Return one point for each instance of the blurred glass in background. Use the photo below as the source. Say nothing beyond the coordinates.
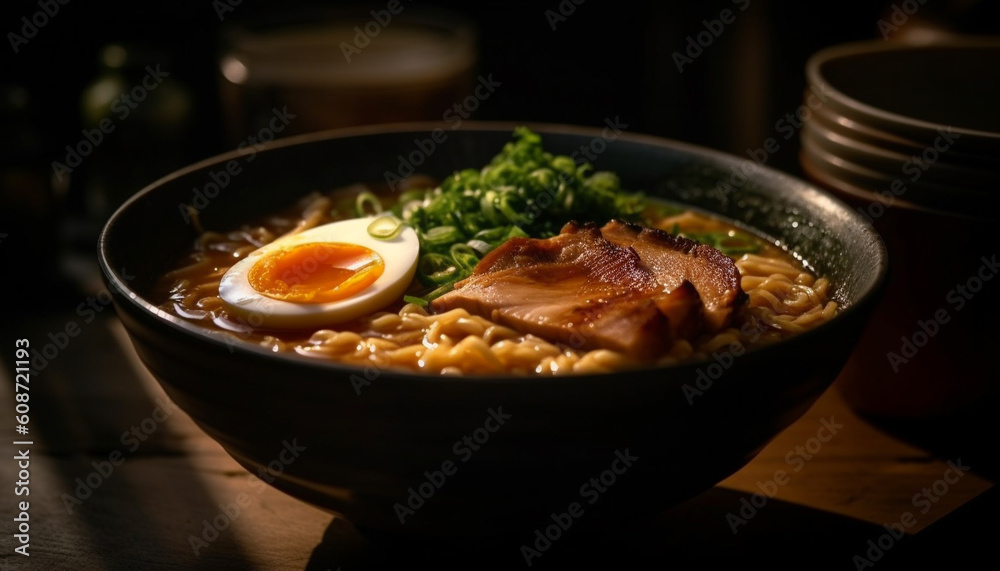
(345, 67)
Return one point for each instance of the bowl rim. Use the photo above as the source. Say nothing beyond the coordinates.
(853, 179)
(845, 126)
(808, 191)
(813, 145)
(831, 120)
(878, 158)
(815, 77)
(823, 178)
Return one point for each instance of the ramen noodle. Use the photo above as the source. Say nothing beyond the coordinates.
(784, 299)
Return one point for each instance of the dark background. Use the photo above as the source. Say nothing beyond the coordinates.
(606, 59)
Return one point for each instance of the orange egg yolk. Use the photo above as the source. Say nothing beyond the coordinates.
(316, 273)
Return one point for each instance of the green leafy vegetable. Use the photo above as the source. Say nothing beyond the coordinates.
(731, 243)
(523, 192)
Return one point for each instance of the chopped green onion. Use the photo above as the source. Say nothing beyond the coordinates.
(415, 300)
(437, 269)
(464, 256)
(446, 277)
(730, 243)
(412, 195)
(438, 292)
(385, 227)
(481, 247)
(507, 209)
(515, 232)
(491, 235)
(487, 203)
(441, 236)
(368, 199)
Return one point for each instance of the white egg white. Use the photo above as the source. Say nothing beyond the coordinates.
(399, 255)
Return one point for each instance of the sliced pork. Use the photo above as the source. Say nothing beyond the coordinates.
(675, 259)
(588, 291)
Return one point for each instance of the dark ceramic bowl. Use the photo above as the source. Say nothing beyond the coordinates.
(361, 454)
(916, 92)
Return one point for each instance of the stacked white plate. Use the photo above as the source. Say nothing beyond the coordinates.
(915, 124)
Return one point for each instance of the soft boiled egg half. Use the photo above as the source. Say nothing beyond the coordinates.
(321, 276)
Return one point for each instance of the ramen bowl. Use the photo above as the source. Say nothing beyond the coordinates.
(399, 451)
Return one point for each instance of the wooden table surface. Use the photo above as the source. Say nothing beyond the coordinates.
(144, 512)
